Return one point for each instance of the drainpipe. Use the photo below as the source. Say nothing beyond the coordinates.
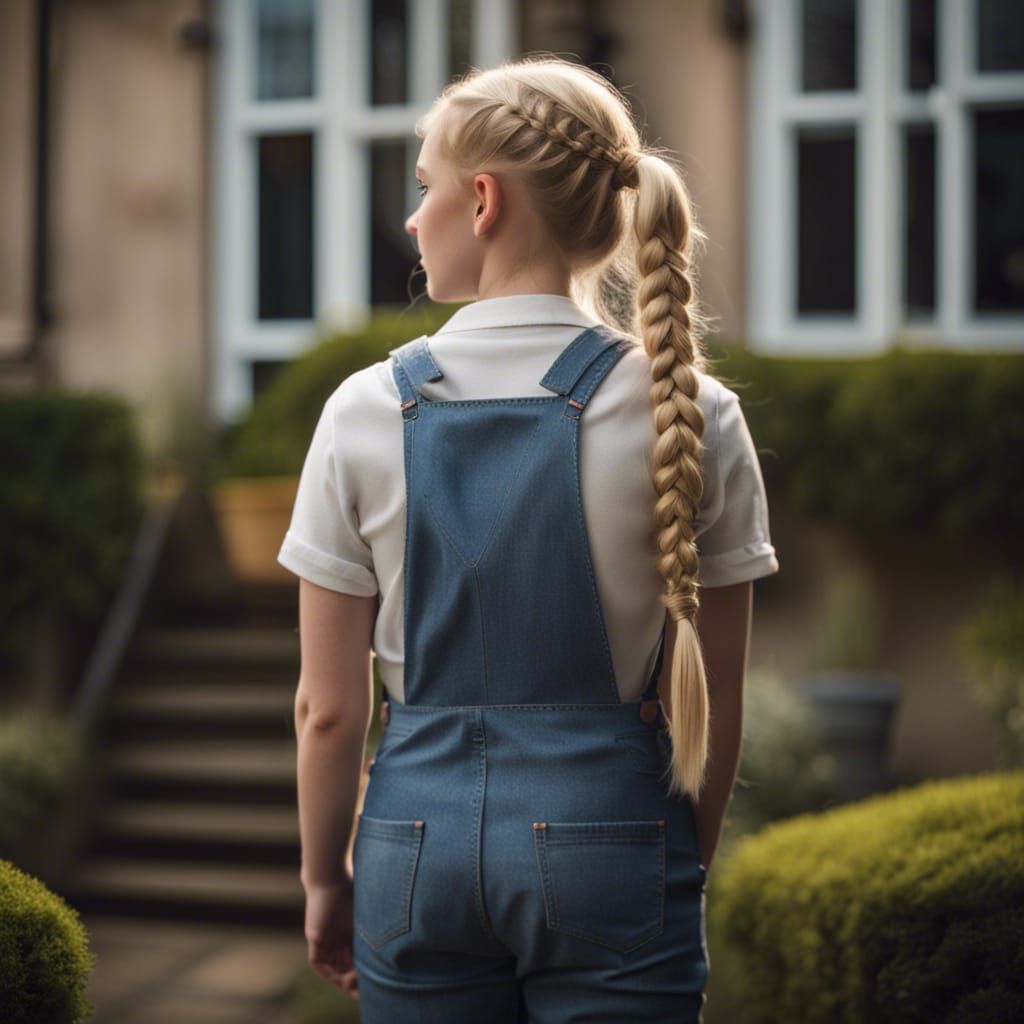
(34, 354)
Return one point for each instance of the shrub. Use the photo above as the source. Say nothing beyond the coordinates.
(272, 438)
(44, 954)
(909, 440)
(904, 907)
(784, 768)
(39, 755)
(991, 643)
(70, 499)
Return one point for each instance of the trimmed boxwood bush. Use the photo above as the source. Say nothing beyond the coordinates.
(902, 908)
(909, 440)
(45, 960)
(272, 437)
(70, 499)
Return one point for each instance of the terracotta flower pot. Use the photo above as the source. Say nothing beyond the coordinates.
(253, 514)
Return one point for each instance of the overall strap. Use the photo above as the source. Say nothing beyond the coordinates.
(582, 365)
(651, 704)
(413, 365)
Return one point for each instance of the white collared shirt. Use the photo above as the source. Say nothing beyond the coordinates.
(348, 527)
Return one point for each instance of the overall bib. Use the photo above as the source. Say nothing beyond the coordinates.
(518, 857)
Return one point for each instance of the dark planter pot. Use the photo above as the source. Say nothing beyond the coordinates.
(855, 711)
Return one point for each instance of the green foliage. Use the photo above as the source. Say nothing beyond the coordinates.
(39, 755)
(44, 954)
(272, 438)
(314, 1000)
(70, 499)
(904, 907)
(910, 440)
(784, 768)
(851, 623)
(991, 644)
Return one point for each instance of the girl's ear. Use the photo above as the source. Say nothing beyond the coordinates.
(488, 203)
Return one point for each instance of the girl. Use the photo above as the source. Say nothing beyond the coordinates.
(496, 511)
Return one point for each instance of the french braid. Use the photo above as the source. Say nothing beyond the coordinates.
(569, 135)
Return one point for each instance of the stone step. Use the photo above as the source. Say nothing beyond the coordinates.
(191, 710)
(184, 890)
(202, 760)
(222, 646)
(183, 820)
(255, 834)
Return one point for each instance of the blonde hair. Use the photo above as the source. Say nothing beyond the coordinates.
(568, 134)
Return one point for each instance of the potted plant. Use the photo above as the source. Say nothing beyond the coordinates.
(262, 453)
(853, 697)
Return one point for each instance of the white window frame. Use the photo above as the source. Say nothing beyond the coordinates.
(343, 128)
(879, 110)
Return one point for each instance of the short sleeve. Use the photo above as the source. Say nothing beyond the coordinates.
(732, 530)
(323, 543)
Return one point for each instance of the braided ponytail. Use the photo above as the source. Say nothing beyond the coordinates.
(568, 134)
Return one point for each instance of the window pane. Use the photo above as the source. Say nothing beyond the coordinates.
(999, 210)
(460, 36)
(829, 44)
(919, 226)
(389, 52)
(826, 220)
(1000, 35)
(920, 44)
(284, 49)
(392, 252)
(285, 228)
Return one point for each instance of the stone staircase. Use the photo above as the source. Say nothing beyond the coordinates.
(197, 817)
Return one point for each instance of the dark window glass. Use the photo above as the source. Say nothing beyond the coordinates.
(393, 254)
(263, 373)
(1000, 35)
(829, 44)
(389, 52)
(999, 210)
(460, 36)
(919, 226)
(921, 44)
(285, 226)
(826, 220)
(285, 63)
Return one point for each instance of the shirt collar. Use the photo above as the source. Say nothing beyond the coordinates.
(517, 311)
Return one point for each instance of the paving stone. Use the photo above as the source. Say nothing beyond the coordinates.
(261, 969)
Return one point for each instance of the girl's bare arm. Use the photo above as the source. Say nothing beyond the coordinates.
(333, 706)
(723, 624)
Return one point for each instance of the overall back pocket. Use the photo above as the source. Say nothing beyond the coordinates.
(384, 859)
(603, 881)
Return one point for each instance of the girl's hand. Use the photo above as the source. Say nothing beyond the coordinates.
(329, 934)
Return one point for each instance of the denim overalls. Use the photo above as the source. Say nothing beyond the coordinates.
(518, 857)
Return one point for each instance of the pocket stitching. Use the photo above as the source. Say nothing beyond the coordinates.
(407, 833)
(584, 837)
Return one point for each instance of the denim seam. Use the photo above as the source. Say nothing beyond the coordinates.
(410, 438)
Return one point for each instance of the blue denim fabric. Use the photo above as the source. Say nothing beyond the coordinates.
(518, 857)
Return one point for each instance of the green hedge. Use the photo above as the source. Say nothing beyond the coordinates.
(39, 756)
(70, 499)
(903, 908)
(45, 960)
(910, 440)
(273, 436)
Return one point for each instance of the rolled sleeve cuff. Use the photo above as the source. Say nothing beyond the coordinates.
(326, 570)
(750, 562)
